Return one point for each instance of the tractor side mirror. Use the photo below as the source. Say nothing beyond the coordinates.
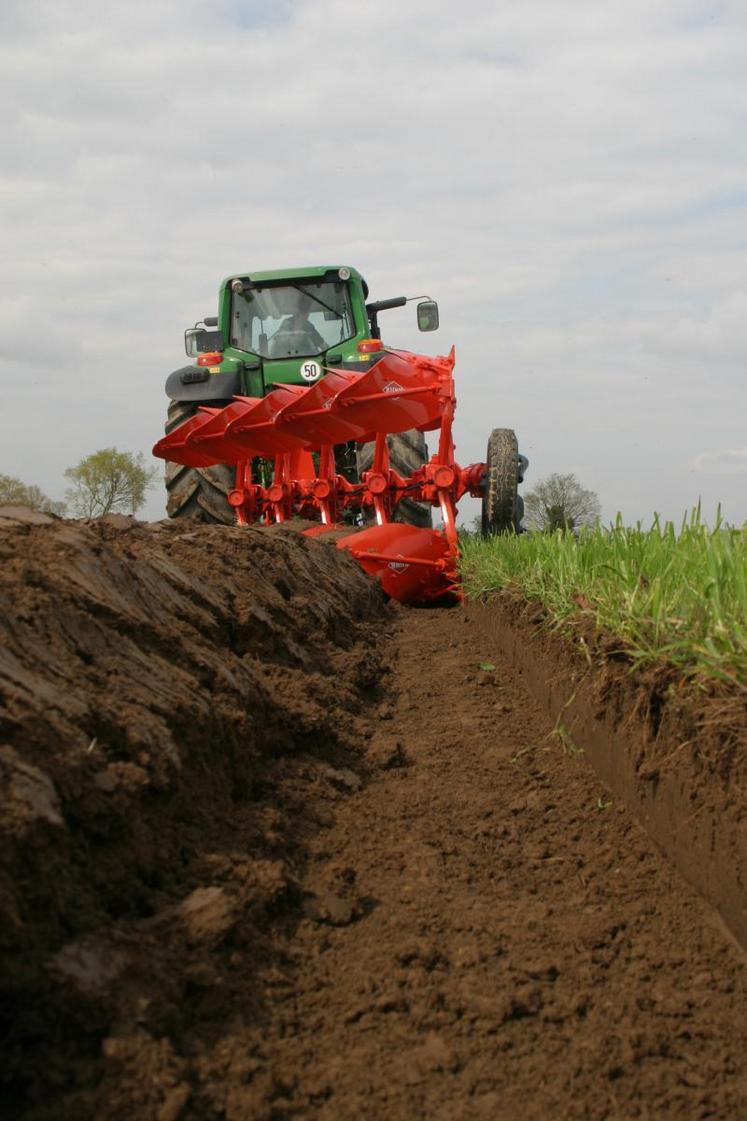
(427, 315)
(199, 341)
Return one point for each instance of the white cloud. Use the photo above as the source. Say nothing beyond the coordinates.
(568, 179)
(729, 461)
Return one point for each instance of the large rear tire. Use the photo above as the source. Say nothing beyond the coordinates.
(407, 452)
(197, 492)
(502, 508)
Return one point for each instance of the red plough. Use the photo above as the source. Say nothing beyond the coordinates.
(401, 391)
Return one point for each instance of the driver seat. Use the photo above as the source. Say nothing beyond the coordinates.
(295, 337)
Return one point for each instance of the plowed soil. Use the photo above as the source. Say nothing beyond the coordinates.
(272, 848)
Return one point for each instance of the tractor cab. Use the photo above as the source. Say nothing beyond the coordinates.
(293, 320)
(286, 328)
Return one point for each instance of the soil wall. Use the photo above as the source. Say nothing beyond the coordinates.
(676, 756)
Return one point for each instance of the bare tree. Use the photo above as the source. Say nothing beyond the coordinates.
(109, 480)
(560, 502)
(13, 492)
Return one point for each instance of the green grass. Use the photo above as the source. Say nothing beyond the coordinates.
(674, 594)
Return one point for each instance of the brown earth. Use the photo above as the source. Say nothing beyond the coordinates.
(673, 750)
(270, 848)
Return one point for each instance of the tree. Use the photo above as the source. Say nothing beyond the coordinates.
(109, 480)
(13, 492)
(560, 502)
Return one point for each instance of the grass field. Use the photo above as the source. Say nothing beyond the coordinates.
(678, 594)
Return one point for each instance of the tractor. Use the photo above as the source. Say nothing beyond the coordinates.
(295, 407)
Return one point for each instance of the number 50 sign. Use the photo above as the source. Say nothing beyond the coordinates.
(310, 371)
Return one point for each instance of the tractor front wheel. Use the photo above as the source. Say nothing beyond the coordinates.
(197, 492)
(502, 508)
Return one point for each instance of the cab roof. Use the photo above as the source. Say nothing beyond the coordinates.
(291, 274)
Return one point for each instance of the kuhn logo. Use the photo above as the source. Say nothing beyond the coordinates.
(397, 566)
(393, 387)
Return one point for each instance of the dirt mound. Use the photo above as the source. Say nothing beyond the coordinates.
(272, 849)
(152, 678)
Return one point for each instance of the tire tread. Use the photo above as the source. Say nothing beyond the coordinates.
(500, 503)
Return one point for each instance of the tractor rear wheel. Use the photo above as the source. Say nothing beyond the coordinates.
(502, 508)
(197, 492)
(407, 452)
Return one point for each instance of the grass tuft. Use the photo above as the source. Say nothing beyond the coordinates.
(674, 594)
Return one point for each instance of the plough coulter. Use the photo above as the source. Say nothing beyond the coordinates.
(289, 448)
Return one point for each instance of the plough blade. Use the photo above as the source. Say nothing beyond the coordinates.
(210, 437)
(255, 426)
(179, 447)
(412, 565)
(313, 414)
(400, 392)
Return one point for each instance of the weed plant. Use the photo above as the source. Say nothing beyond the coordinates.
(678, 595)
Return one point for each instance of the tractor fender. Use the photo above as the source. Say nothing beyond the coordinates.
(195, 383)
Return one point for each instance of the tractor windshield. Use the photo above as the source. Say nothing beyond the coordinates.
(291, 320)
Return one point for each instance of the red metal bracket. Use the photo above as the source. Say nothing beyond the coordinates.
(402, 391)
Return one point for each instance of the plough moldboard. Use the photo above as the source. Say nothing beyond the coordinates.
(401, 391)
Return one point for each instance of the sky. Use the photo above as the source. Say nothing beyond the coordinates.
(568, 179)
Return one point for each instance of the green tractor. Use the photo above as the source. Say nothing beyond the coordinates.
(288, 327)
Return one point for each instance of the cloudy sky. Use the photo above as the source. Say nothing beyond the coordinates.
(568, 178)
